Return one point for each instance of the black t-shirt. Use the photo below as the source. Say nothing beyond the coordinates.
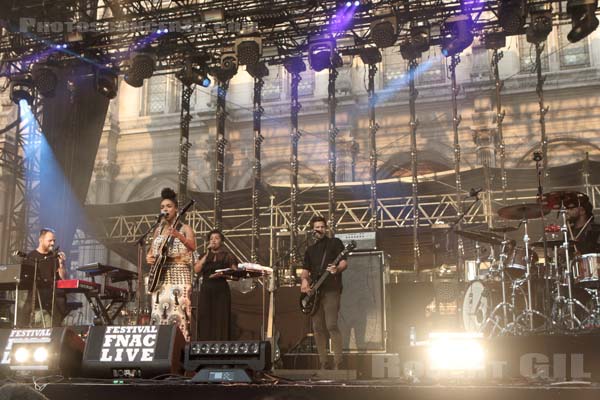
(223, 260)
(589, 239)
(45, 280)
(313, 261)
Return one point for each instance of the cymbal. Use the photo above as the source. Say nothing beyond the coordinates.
(503, 229)
(555, 200)
(483, 237)
(522, 211)
(553, 243)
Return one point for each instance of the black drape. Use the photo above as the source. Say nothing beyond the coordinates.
(72, 124)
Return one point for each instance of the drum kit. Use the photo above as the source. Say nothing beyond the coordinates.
(519, 292)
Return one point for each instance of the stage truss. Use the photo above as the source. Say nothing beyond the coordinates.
(351, 215)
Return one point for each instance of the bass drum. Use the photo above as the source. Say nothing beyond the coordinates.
(481, 297)
(478, 304)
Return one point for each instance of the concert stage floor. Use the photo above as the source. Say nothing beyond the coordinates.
(355, 390)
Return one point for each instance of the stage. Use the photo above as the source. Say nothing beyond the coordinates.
(359, 390)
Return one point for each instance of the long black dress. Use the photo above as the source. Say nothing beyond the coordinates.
(214, 305)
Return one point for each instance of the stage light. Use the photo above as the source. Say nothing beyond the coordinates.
(228, 67)
(248, 49)
(455, 351)
(322, 55)
(106, 83)
(384, 31)
(44, 78)
(583, 18)
(458, 34)
(21, 355)
(40, 355)
(227, 361)
(141, 66)
(494, 40)
(41, 352)
(512, 15)
(195, 72)
(294, 65)
(21, 89)
(416, 44)
(258, 70)
(370, 55)
(540, 26)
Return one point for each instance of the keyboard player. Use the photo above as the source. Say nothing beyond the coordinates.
(50, 262)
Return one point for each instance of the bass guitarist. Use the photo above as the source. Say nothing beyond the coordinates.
(317, 259)
(171, 300)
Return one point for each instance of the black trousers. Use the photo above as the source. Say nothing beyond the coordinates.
(325, 324)
(214, 310)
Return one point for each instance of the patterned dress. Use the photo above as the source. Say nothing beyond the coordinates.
(171, 302)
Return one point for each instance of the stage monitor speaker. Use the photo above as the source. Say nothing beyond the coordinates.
(44, 351)
(133, 351)
(362, 319)
(227, 361)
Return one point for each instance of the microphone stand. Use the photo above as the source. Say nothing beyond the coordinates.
(537, 157)
(140, 276)
(454, 224)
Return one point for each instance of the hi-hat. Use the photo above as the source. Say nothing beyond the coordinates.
(522, 211)
(555, 200)
(483, 237)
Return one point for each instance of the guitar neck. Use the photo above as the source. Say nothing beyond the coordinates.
(326, 273)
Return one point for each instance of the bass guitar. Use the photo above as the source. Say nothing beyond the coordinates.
(156, 270)
(310, 301)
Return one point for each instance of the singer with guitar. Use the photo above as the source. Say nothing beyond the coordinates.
(172, 246)
(317, 259)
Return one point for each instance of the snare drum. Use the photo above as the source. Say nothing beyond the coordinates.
(585, 271)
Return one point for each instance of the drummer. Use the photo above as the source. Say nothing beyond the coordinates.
(583, 228)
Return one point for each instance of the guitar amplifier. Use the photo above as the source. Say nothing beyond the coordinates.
(365, 241)
(363, 317)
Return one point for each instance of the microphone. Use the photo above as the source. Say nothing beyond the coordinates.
(161, 215)
(474, 191)
(537, 156)
(19, 253)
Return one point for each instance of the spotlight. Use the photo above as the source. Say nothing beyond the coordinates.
(194, 72)
(21, 88)
(258, 70)
(294, 65)
(458, 34)
(495, 40)
(248, 49)
(456, 351)
(512, 15)
(44, 78)
(107, 83)
(228, 67)
(40, 355)
(41, 352)
(322, 55)
(370, 55)
(540, 26)
(583, 18)
(416, 44)
(384, 31)
(141, 66)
